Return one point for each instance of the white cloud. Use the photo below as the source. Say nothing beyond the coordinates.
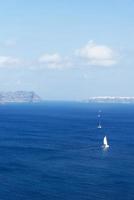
(53, 61)
(50, 58)
(95, 54)
(91, 54)
(8, 61)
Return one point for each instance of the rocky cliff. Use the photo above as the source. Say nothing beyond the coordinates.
(111, 99)
(19, 97)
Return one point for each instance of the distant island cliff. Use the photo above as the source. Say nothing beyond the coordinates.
(111, 99)
(19, 97)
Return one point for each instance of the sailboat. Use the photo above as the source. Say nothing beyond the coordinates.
(99, 126)
(105, 143)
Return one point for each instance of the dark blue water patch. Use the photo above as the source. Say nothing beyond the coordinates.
(54, 151)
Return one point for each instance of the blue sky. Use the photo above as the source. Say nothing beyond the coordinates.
(67, 50)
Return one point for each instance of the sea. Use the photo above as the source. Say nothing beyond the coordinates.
(53, 151)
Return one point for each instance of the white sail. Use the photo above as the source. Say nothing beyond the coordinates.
(99, 126)
(105, 140)
(105, 143)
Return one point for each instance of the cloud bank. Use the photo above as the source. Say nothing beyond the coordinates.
(89, 55)
(6, 61)
(54, 61)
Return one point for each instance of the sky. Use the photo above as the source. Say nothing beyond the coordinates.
(67, 49)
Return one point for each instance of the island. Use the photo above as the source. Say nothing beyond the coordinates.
(111, 99)
(19, 97)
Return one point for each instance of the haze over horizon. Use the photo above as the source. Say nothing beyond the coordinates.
(67, 50)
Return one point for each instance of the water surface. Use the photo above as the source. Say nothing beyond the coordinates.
(53, 151)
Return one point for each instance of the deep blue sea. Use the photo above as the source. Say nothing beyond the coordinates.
(53, 151)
